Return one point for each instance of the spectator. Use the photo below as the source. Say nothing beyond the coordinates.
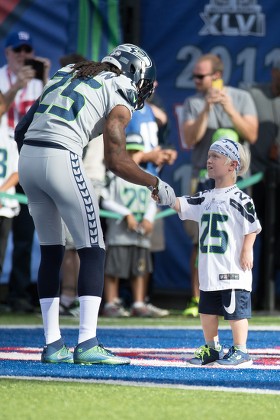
(128, 241)
(9, 207)
(144, 127)
(266, 155)
(209, 109)
(103, 97)
(20, 89)
(228, 226)
(3, 105)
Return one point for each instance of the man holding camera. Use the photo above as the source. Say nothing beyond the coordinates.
(20, 86)
(213, 107)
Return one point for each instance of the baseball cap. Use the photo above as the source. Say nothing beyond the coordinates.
(16, 39)
(134, 142)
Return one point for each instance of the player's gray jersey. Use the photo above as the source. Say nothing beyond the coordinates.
(73, 114)
(225, 216)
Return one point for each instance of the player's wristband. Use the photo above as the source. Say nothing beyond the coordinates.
(151, 188)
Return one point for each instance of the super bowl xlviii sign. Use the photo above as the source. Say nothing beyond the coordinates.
(233, 18)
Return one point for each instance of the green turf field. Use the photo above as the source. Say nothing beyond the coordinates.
(30, 400)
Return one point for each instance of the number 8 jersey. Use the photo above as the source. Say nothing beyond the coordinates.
(225, 216)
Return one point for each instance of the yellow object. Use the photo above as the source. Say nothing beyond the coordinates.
(218, 84)
(192, 308)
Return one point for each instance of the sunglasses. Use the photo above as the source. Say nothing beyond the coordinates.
(201, 76)
(24, 48)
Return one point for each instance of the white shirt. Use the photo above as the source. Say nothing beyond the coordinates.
(225, 216)
(23, 100)
(8, 165)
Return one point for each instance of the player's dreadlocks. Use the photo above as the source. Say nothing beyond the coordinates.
(86, 69)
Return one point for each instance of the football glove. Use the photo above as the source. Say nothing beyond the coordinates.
(166, 194)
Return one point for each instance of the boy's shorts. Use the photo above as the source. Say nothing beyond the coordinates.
(230, 303)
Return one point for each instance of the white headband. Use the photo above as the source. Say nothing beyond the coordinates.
(228, 148)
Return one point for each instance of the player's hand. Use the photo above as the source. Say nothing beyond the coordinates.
(164, 194)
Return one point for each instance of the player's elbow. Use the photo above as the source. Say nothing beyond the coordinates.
(114, 165)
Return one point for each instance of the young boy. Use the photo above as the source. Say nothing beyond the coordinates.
(228, 226)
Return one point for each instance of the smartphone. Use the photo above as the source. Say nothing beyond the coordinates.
(218, 84)
(37, 65)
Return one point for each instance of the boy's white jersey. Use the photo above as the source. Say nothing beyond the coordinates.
(8, 165)
(225, 216)
(78, 113)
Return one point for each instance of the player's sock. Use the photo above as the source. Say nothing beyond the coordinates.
(50, 315)
(89, 308)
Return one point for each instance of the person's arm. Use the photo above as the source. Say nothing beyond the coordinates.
(160, 114)
(11, 181)
(3, 104)
(177, 206)
(116, 158)
(25, 74)
(245, 125)
(194, 130)
(246, 257)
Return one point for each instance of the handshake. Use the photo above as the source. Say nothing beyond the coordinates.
(163, 194)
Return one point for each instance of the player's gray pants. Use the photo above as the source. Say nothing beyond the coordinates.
(57, 187)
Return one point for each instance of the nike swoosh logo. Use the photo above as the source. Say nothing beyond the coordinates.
(60, 356)
(231, 308)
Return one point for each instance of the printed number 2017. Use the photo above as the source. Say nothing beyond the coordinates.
(246, 59)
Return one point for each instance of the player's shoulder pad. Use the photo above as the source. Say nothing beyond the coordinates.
(243, 203)
(126, 89)
(129, 95)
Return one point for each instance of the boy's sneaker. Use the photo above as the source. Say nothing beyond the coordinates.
(84, 354)
(236, 358)
(192, 308)
(50, 354)
(205, 355)
(114, 310)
